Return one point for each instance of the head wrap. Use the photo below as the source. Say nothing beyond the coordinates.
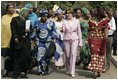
(43, 13)
(23, 10)
(55, 7)
(59, 11)
(28, 6)
(84, 11)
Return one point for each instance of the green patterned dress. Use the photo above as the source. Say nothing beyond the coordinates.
(85, 52)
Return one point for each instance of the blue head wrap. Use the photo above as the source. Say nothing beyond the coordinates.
(28, 6)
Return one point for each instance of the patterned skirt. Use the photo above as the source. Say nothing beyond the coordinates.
(97, 48)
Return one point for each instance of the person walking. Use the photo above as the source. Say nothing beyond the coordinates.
(5, 29)
(72, 40)
(6, 51)
(20, 41)
(110, 39)
(59, 54)
(44, 35)
(85, 52)
(98, 30)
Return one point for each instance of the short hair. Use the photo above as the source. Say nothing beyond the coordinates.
(70, 10)
(78, 8)
(9, 4)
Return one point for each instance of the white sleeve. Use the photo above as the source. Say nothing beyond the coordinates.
(112, 26)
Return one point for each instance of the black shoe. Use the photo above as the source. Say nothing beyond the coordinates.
(5, 75)
(98, 74)
(16, 76)
(95, 76)
(114, 54)
(78, 62)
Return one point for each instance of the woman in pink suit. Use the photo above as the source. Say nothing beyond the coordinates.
(72, 40)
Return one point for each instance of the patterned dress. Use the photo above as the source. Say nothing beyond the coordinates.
(85, 52)
(97, 42)
(59, 44)
(45, 33)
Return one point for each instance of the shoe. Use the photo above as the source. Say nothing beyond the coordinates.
(62, 66)
(72, 75)
(57, 67)
(16, 76)
(67, 73)
(5, 75)
(114, 54)
(95, 76)
(98, 74)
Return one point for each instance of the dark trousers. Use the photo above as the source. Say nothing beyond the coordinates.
(22, 60)
(115, 42)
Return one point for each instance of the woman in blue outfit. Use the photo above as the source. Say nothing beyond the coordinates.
(44, 36)
(31, 16)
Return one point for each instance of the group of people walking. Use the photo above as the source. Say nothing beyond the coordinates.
(64, 36)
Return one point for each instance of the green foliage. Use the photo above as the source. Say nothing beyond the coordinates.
(67, 4)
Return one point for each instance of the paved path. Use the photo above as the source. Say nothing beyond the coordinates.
(80, 73)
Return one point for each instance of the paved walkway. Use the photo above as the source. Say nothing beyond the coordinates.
(80, 74)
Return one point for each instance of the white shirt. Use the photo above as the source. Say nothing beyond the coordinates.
(58, 26)
(112, 26)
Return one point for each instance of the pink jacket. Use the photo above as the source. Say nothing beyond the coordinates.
(72, 30)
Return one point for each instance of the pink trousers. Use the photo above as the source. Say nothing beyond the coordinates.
(70, 55)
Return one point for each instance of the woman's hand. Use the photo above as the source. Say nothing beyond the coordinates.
(86, 42)
(16, 40)
(54, 40)
(26, 30)
(80, 47)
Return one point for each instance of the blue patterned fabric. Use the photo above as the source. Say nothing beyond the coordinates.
(59, 11)
(59, 49)
(45, 33)
(44, 13)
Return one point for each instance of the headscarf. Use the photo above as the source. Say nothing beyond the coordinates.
(84, 11)
(43, 13)
(59, 11)
(28, 6)
(23, 10)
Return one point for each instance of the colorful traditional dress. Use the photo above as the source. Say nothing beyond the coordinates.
(59, 44)
(97, 43)
(85, 52)
(45, 33)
